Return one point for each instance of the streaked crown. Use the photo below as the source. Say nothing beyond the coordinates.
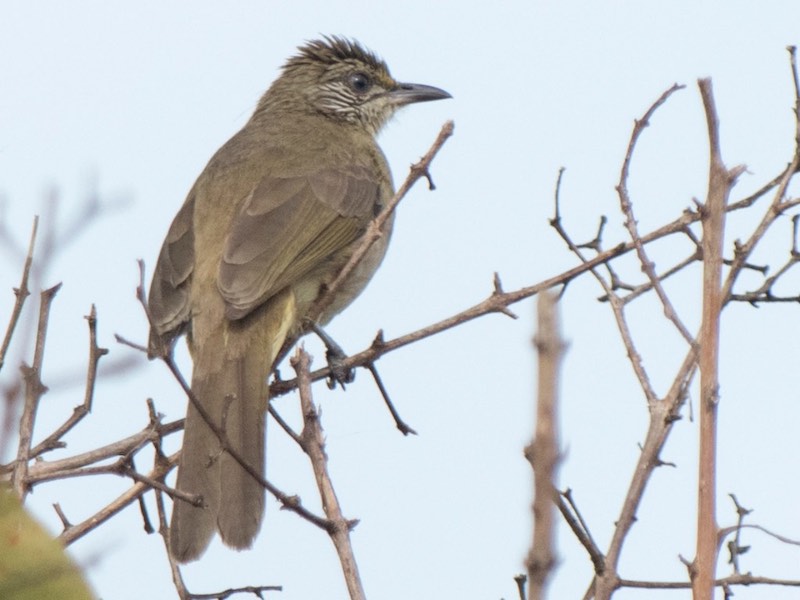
(339, 79)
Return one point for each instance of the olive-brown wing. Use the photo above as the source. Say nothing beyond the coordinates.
(290, 227)
(168, 301)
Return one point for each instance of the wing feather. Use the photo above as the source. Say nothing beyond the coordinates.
(168, 302)
(288, 228)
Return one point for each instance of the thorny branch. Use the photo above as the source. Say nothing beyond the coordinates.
(664, 409)
(497, 302)
(34, 390)
(630, 220)
(580, 529)
(779, 205)
(95, 353)
(21, 293)
(735, 548)
(333, 526)
(27, 474)
(313, 444)
(720, 182)
(543, 452)
(74, 532)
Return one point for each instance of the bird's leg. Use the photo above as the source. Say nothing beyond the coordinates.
(335, 356)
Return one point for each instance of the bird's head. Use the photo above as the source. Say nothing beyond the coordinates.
(339, 79)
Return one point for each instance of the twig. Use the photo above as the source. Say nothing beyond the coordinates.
(126, 469)
(63, 518)
(696, 256)
(256, 590)
(46, 470)
(34, 389)
(496, 302)
(779, 203)
(284, 425)
(95, 353)
(569, 510)
(314, 447)
(630, 220)
(21, 293)
(663, 413)
(735, 547)
(792, 50)
(288, 502)
(401, 425)
(521, 580)
(781, 538)
(617, 305)
(720, 180)
(75, 532)
(543, 452)
(745, 579)
(163, 530)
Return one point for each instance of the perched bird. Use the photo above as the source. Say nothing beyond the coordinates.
(271, 220)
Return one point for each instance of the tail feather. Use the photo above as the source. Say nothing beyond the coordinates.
(245, 427)
(198, 473)
(232, 366)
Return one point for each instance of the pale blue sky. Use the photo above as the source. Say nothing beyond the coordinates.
(130, 100)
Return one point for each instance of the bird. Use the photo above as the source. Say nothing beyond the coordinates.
(269, 223)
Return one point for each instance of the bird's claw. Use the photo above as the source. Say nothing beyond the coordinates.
(340, 373)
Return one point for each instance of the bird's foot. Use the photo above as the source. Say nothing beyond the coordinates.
(341, 374)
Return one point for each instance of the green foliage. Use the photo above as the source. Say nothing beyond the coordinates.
(34, 566)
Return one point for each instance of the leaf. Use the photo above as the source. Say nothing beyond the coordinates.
(33, 565)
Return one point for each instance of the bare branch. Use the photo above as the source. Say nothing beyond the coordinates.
(288, 502)
(314, 446)
(630, 220)
(740, 579)
(617, 305)
(95, 353)
(720, 181)
(494, 303)
(75, 532)
(47, 470)
(21, 293)
(401, 425)
(163, 530)
(256, 590)
(34, 390)
(569, 510)
(543, 452)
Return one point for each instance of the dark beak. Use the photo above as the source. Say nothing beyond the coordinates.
(408, 93)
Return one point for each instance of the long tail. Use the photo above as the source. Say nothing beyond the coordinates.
(232, 365)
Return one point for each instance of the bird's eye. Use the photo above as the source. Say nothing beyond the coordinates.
(360, 82)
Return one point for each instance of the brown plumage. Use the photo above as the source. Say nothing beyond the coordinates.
(273, 217)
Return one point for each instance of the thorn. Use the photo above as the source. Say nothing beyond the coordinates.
(498, 285)
(427, 175)
(507, 312)
(379, 341)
